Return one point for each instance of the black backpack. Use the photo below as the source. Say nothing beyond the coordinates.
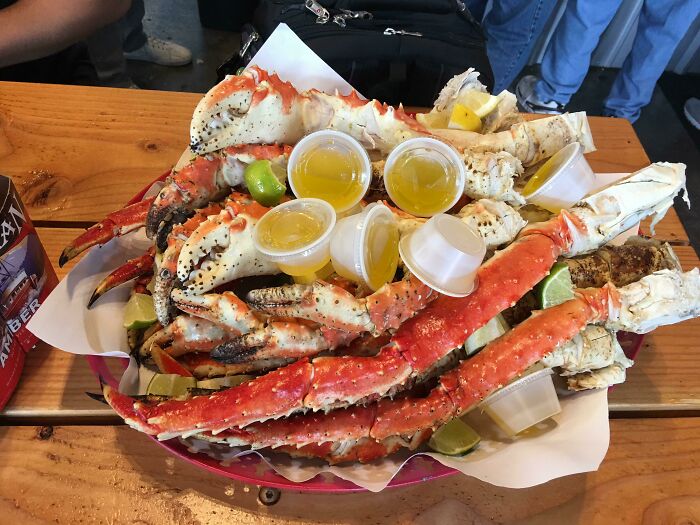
(392, 50)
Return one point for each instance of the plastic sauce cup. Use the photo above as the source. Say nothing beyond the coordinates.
(523, 403)
(296, 235)
(332, 166)
(424, 176)
(444, 253)
(567, 179)
(364, 247)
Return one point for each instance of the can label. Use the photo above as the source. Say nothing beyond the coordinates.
(26, 279)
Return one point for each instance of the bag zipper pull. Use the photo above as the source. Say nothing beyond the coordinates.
(253, 37)
(389, 31)
(342, 18)
(322, 15)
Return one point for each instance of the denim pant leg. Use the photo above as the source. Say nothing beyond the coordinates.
(132, 27)
(106, 46)
(662, 24)
(512, 27)
(568, 55)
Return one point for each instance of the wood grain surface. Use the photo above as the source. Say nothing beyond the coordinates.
(89, 474)
(77, 153)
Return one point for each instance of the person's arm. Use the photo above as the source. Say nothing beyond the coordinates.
(31, 29)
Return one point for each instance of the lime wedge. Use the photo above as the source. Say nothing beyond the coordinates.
(495, 328)
(434, 120)
(480, 103)
(556, 288)
(222, 382)
(139, 312)
(170, 385)
(454, 438)
(464, 118)
(265, 182)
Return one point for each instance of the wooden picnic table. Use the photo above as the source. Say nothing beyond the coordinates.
(77, 153)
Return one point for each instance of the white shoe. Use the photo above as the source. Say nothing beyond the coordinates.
(691, 108)
(161, 52)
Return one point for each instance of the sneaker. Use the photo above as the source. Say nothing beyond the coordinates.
(691, 108)
(161, 52)
(528, 101)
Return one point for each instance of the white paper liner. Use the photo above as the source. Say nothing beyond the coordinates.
(574, 441)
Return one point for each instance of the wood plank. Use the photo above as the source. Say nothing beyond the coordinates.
(77, 153)
(115, 475)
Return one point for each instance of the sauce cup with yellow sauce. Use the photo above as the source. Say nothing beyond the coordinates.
(561, 181)
(296, 235)
(424, 176)
(365, 246)
(332, 166)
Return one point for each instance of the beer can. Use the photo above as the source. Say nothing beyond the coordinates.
(26, 279)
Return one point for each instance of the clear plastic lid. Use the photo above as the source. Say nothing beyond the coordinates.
(445, 253)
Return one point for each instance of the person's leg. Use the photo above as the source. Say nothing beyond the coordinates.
(139, 46)
(132, 27)
(105, 50)
(511, 28)
(568, 55)
(662, 24)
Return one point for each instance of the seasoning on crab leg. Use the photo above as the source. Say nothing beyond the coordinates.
(530, 142)
(221, 248)
(343, 317)
(207, 178)
(117, 223)
(592, 359)
(420, 342)
(131, 269)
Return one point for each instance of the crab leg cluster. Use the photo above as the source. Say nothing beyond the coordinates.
(327, 383)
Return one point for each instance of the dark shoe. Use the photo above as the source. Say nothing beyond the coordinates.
(528, 101)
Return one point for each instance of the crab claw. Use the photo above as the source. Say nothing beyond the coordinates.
(221, 250)
(252, 108)
(280, 339)
(117, 223)
(133, 268)
(224, 309)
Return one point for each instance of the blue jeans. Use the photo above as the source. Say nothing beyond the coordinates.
(511, 28)
(662, 24)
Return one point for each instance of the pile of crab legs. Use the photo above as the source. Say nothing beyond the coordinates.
(248, 414)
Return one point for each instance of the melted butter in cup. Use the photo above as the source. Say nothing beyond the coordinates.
(331, 166)
(296, 235)
(424, 176)
(364, 247)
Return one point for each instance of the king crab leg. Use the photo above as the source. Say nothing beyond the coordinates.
(327, 382)
(115, 224)
(131, 269)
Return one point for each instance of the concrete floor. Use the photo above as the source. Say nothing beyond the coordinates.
(661, 128)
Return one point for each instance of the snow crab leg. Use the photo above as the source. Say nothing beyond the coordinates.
(333, 382)
(117, 223)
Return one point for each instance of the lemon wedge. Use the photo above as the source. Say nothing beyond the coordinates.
(464, 118)
(480, 103)
(434, 120)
